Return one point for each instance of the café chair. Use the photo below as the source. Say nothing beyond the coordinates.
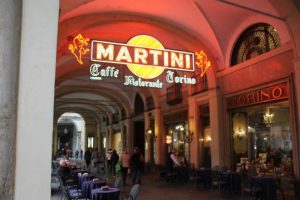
(117, 183)
(248, 188)
(54, 168)
(72, 196)
(134, 191)
(285, 186)
(70, 192)
(217, 180)
(297, 188)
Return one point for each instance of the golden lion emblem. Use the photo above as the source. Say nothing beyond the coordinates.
(202, 62)
(77, 48)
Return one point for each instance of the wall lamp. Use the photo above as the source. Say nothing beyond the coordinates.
(168, 139)
(240, 133)
(150, 133)
(188, 138)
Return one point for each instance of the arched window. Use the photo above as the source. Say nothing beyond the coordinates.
(256, 40)
(138, 105)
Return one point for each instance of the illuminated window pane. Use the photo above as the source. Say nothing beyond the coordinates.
(90, 142)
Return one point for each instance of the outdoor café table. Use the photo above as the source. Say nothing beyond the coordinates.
(77, 171)
(89, 185)
(84, 178)
(232, 182)
(182, 174)
(109, 194)
(204, 177)
(267, 183)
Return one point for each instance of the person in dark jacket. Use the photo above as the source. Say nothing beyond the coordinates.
(88, 158)
(172, 161)
(114, 161)
(137, 165)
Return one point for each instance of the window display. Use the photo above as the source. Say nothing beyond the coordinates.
(180, 141)
(262, 134)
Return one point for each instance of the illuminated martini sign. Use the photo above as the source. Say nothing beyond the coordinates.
(144, 56)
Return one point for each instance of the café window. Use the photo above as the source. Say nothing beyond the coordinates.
(178, 133)
(262, 135)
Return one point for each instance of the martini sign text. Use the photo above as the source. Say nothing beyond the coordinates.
(144, 56)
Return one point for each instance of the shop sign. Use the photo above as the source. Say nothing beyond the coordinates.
(274, 93)
(144, 56)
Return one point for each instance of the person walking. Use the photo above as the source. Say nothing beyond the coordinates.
(108, 160)
(76, 154)
(96, 161)
(114, 161)
(88, 158)
(81, 154)
(172, 161)
(137, 165)
(124, 160)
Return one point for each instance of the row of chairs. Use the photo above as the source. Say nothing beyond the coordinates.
(70, 189)
(213, 178)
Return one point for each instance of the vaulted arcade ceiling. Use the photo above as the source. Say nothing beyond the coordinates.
(190, 25)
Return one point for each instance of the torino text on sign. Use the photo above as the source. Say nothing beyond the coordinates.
(274, 93)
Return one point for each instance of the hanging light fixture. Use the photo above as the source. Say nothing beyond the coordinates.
(268, 117)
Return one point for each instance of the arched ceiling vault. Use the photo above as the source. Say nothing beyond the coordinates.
(210, 25)
(86, 113)
(104, 100)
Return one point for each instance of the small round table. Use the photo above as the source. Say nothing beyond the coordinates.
(108, 194)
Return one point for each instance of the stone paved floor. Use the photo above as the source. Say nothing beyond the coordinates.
(154, 188)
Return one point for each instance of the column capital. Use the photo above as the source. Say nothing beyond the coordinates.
(214, 92)
(191, 99)
(296, 62)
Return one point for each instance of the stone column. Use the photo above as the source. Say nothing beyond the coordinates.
(111, 136)
(108, 136)
(10, 26)
(101, 132)
(35, 96)
(123, 135)
(147, 137)
(193, 120)
(129, 134)
(159, 150)
(295, 136)
(83, 136)
(215, 127)
(54, 142)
